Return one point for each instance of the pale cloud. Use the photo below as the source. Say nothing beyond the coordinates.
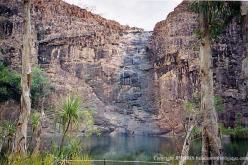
(139, 13)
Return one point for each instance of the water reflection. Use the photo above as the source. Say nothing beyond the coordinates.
(144, 148)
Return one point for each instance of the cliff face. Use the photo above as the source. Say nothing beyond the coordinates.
(175, 52)
(107, 64)
(134, 81)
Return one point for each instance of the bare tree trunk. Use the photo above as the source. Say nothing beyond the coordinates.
(186, 145)
(20, 145)
(211, 144)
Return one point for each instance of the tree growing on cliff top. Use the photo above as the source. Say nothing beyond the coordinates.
(20, 144)
(214, 16)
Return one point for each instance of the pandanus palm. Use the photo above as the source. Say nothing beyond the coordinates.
(70, 114)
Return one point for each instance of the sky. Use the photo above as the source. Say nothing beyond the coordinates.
(138, 13)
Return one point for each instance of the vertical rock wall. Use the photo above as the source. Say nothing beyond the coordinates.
(134, 81)
(175, 51)
(105, 63)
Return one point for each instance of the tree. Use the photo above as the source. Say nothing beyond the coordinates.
(70, 114)
(20, 145)
(211, 144)
(192, 120)
(214, 16)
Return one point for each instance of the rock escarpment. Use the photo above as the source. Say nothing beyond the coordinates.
(107, 64)
(134, 81)
(175, 51)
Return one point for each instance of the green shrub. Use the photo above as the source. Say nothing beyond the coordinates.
(7, 131)
(218, 103)
(35, 119)
(10, 81)
(196, 132)
(239, 133)
(72, 150)
(40, 84)
(48, 159)
(238, 117)
(235, 133)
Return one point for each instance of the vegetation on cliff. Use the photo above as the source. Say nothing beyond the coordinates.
(9, 83)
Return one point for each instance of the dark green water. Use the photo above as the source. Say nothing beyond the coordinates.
(144, 148)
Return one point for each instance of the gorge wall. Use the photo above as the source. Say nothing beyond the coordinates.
(103, 62)
(134, 81)
(175, 51)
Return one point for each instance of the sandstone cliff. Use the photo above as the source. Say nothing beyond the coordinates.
(102, 61)
(135, 82)
(175, 51)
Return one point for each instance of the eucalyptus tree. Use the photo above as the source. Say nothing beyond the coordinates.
(20, 144)
(214, 16)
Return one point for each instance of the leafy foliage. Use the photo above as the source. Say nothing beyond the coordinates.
(7, 135)
(88, 122)
(218, 103)
(47, 159)
(219, 14)
(7, 130)
(35, 119)
(40, 84)
(239, 133)
(236, 132)
(192, 108)
(238, 119)
(72, 113)
(193, 105)
(10, 84)
(74, 150)
(196, 132)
